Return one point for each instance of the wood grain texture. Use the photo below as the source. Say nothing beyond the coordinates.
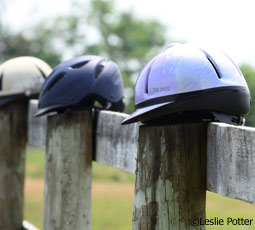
(67, 195)
(36, 126)
(231, 161)
(116, 145)
(170, 184)
(13, 129)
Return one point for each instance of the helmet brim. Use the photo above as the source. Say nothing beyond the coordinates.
(48, 109)
(135, 115)
(233, 100)
(6, 98)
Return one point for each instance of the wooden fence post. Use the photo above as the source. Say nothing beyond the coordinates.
(67, 194)
(170, 188)
(13, 136)
(36, 126)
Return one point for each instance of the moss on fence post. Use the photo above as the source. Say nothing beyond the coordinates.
(170, 185)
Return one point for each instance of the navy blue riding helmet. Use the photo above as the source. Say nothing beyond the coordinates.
(81, 82)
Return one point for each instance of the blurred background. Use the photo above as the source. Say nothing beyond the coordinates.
(130, 33)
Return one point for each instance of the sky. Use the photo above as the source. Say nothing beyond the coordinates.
(225, 24)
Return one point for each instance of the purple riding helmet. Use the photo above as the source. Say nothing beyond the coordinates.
(184, 83)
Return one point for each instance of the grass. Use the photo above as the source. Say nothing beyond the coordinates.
(112, 194)
(112, 199)
(224, 208)
(35, 163)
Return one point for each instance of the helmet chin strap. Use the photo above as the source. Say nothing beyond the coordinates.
(230, 119)
(243, 121)
(107, 105)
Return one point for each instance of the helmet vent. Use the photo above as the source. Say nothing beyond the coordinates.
(99, 70)
(214, 66)
(79, 65)
(55, 80)
(147, 81)
(40, 70)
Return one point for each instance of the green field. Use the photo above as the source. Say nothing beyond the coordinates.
(112, 198)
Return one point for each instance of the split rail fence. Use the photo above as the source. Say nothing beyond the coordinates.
(174, 166)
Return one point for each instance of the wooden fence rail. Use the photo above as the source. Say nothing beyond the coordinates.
(174, 166)
(230, 152)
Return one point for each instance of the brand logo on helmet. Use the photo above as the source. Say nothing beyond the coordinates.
(160, 89)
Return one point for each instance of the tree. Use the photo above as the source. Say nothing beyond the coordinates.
(34, 41)
(100, 30)
(125, 39)
(249, 74)
(13, 45)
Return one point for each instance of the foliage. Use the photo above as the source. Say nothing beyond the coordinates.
(35, 41)
(249, 74)
(120, 36)
(126, 39)
(97, 28)
(13, 45)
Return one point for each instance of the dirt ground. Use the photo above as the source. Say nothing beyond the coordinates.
(36, 186)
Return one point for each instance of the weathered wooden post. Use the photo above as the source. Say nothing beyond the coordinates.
(13, 131)
(67, 194)
(36, 126)
(170, 188)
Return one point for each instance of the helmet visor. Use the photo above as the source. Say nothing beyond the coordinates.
(140, 111)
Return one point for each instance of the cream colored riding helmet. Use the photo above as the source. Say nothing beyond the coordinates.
(21, 78)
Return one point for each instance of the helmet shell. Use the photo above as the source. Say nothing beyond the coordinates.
(184, 69)
(22, 77)
(79, 82)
